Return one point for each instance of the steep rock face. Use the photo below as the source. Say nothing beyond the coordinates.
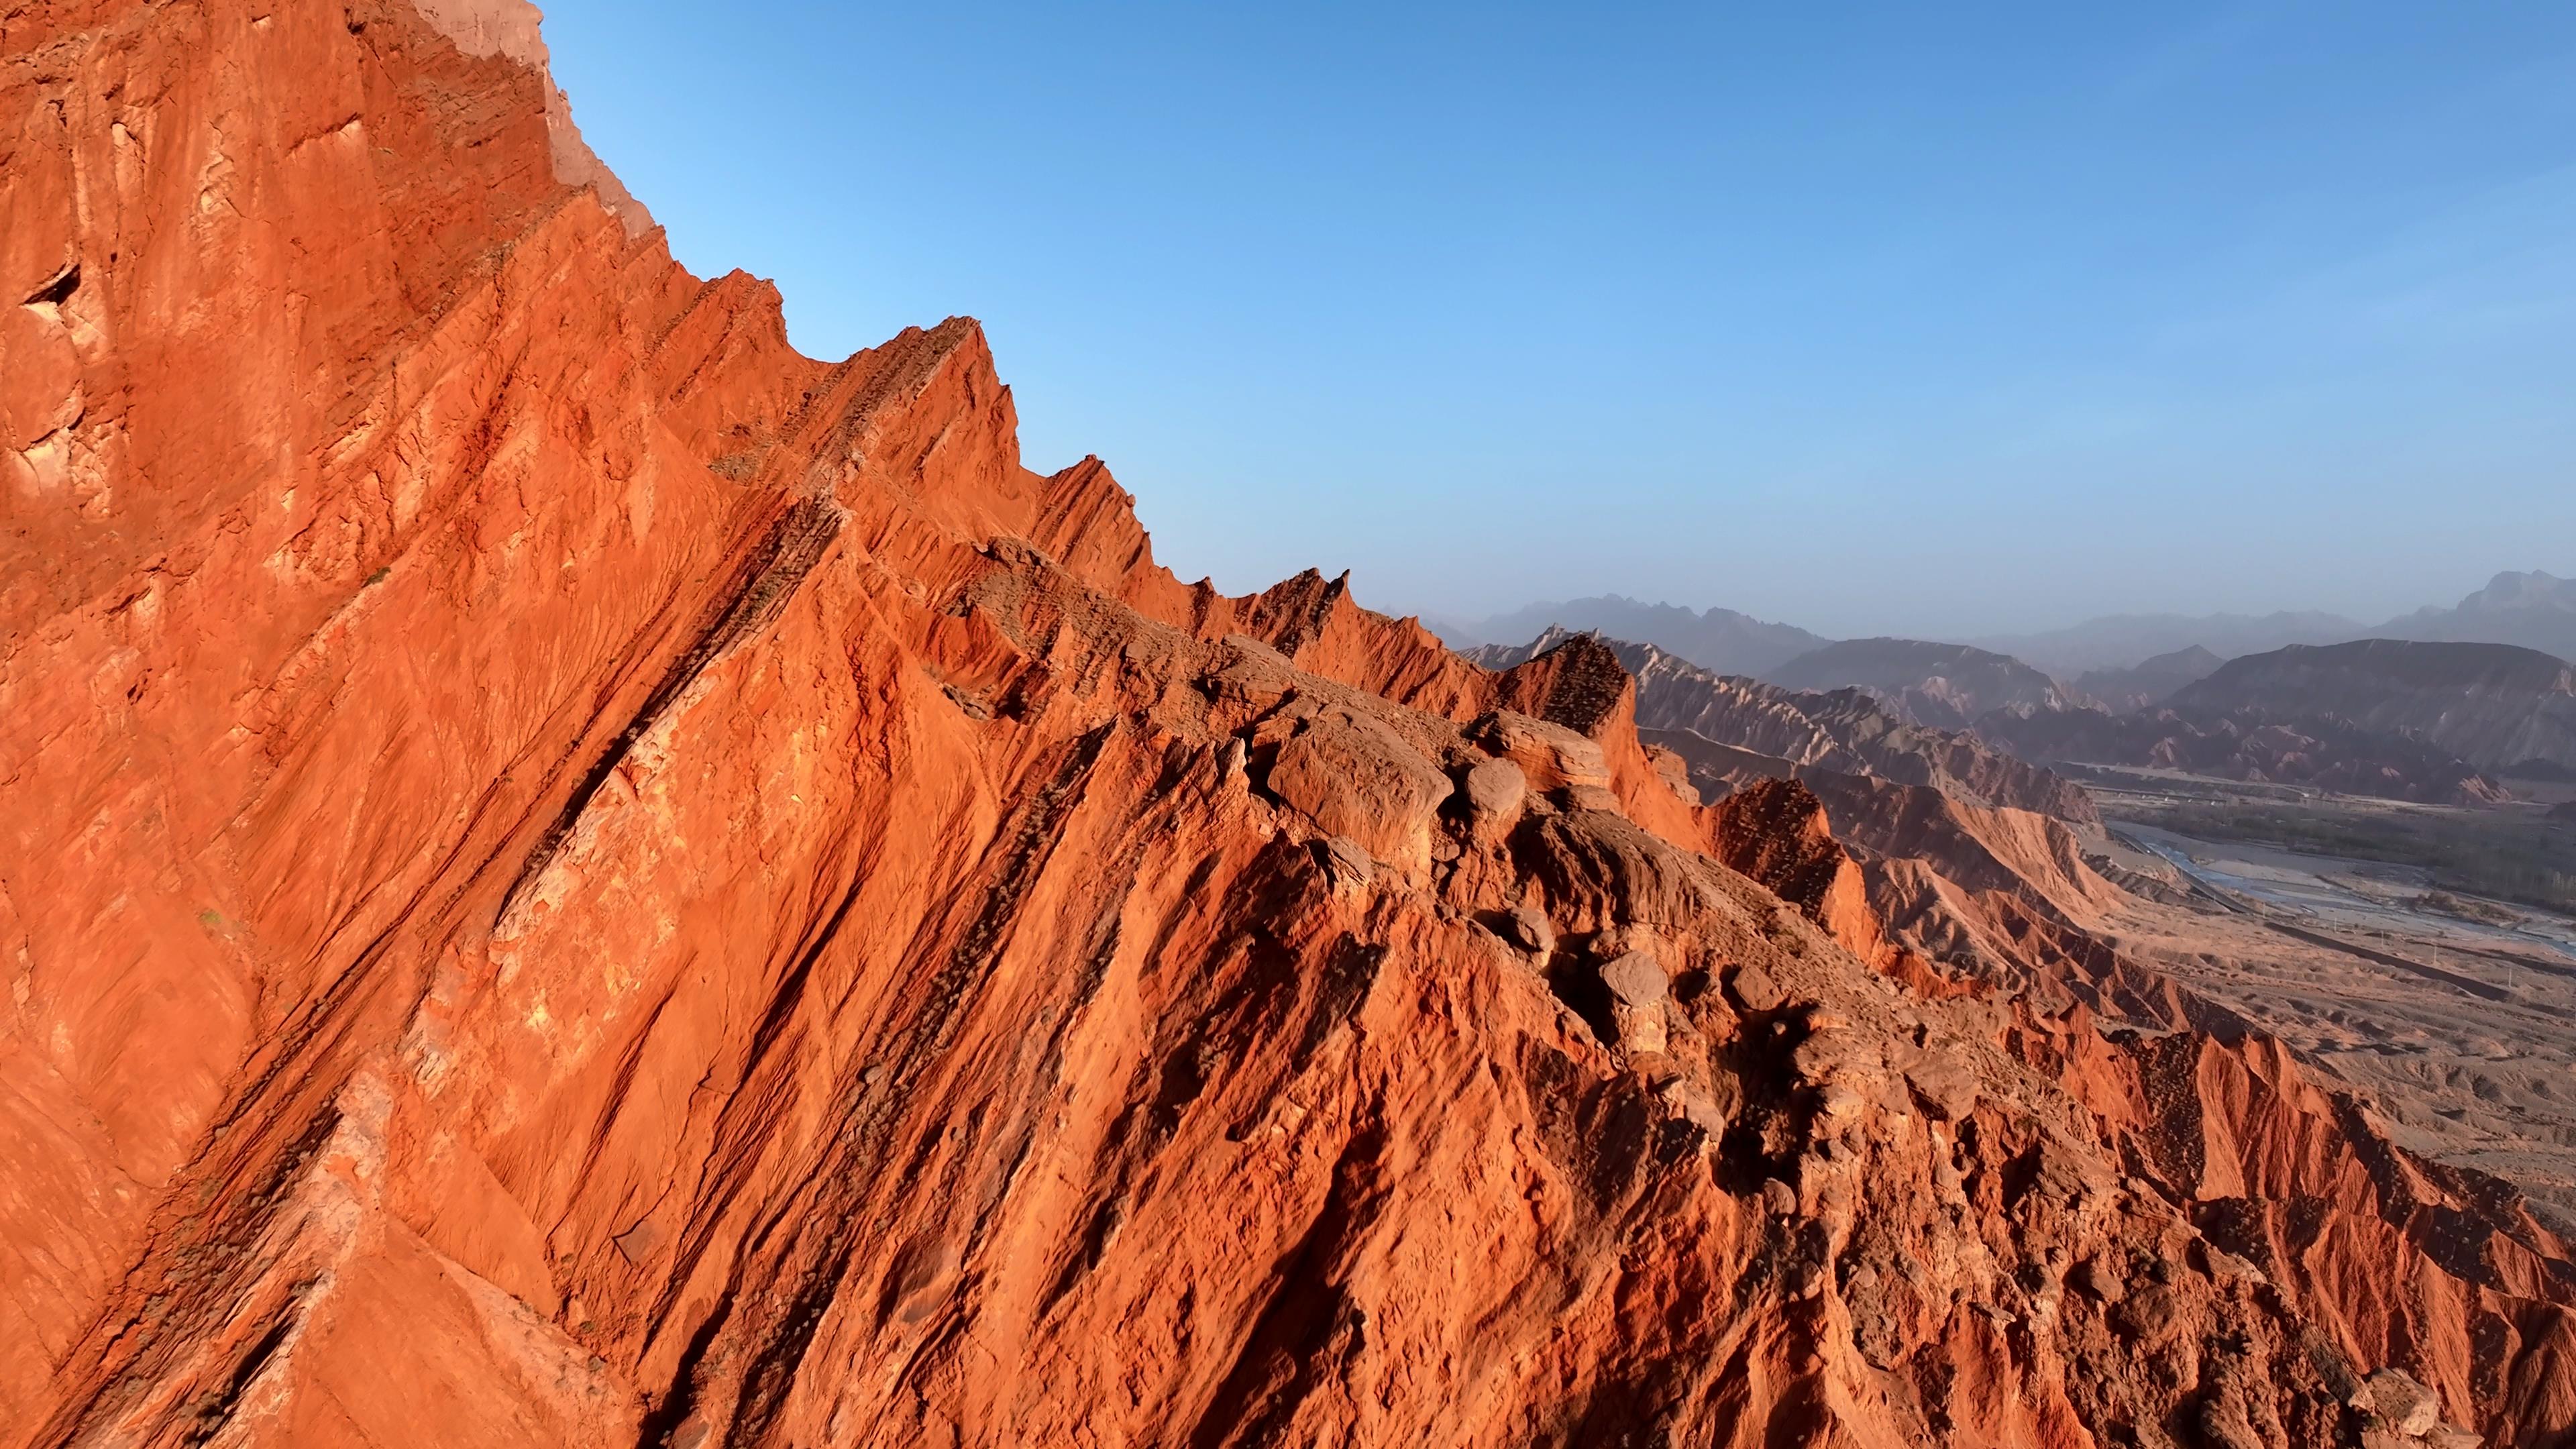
(576, 877)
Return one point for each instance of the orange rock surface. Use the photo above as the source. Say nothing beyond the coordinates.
(573, 876)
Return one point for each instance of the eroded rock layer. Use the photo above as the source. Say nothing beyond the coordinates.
(573, 876)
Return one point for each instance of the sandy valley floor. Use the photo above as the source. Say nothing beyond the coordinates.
(2465, 1029)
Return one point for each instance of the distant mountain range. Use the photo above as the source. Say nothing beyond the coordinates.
(2532, 610)
(2497, 706)
(2151, 682)
(1946, 686)
(1731, 731)
(1719, 639)
(2125, 641)
(2433, 706)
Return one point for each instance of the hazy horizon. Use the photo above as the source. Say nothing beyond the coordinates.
(1886, 321)
(2038, 630)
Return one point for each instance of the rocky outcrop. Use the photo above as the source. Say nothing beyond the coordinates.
(1730, 731)
(576, 877)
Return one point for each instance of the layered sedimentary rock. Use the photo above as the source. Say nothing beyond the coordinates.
(1946, 686)
(2493, 705)
(1730, 731)
(575, 876)
(2312, 748)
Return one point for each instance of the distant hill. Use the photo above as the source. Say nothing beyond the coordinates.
(1732, 731)
(2124, 641)
(2533, 610)
(2246, 744)
(2493, 705)
(1718, 639)
(1947, 686)
(1781, 732)
(2151, 682)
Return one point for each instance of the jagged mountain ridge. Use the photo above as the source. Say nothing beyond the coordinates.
(1716, 639)
(2533, 610)
(1946, 686)
(1772, 732)
(576, 876)
(2529, 610)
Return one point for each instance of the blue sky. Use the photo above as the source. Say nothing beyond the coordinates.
(1877, 318)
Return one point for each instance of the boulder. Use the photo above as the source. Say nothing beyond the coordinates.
(1496, 790)
(1253, 673)
(1638, 991)
(1526, 928)
(1753, 988)
(2404, 1404)
(1696, 1105)
(1637, 979)
(1551, 756)
(2099, 1278)
(1942, 1082)
(1355, 777)
(1602, 870)
(1347, 862)
(1587, 797)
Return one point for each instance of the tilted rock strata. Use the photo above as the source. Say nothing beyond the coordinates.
(1947, 686)
(577, 877)
(2245, 744)
(1730, 731)
(2493, 705)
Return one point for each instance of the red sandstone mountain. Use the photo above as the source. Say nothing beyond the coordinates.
(1730, 731)
(576, 877)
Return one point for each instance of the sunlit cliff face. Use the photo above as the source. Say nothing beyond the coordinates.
(574, 876)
